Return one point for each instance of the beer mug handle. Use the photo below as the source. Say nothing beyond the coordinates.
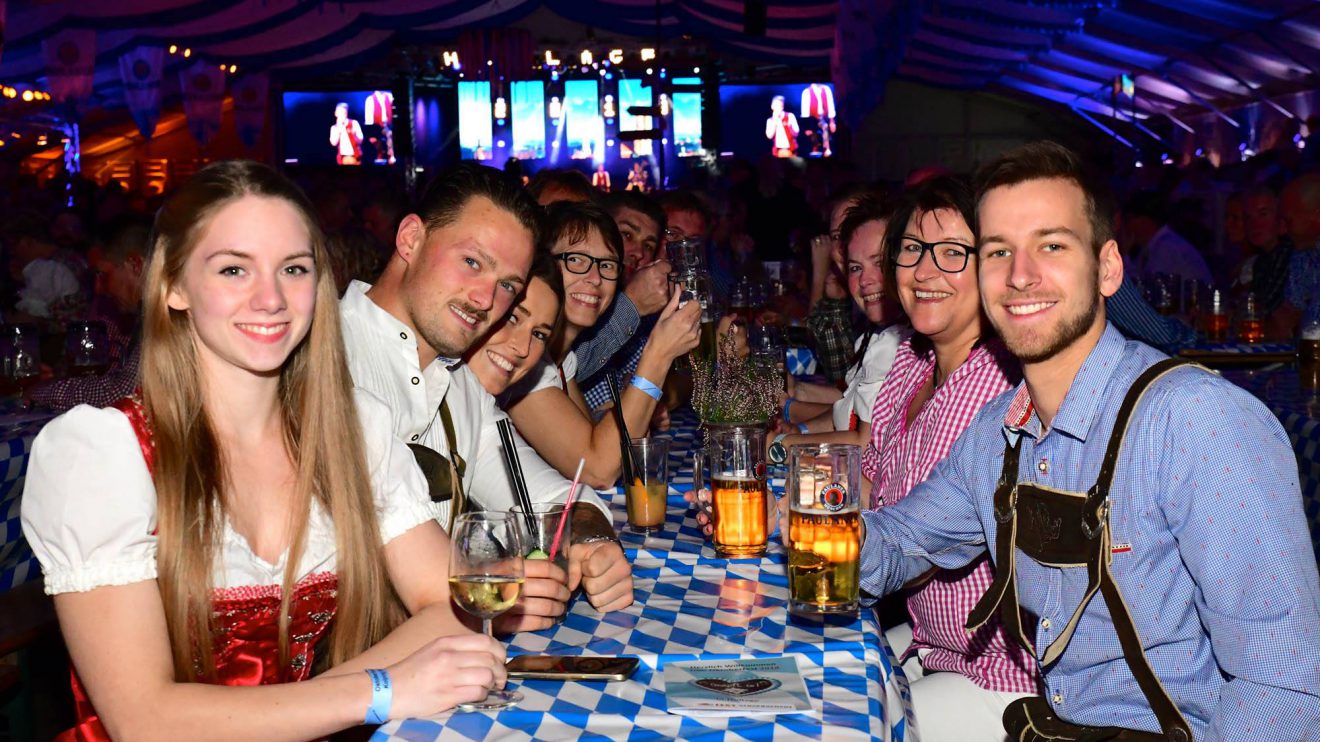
(699, 458)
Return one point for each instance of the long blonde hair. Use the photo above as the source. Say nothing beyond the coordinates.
(321, 435)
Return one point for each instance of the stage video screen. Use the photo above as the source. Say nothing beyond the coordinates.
(784, 119)
(346, 127)
(528, 119)
(475, 129)
(584, 128)
(686, 117)
(634, 93)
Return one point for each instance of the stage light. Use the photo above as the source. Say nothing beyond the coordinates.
(499, 143)
(2, 142)
(664, 104)
(609, 142)
(187, 53)
(174, 48)
(233, 68)
(16, 135)
(501, 108)
(1139, 164)
(664, 141)
(648, 54)
(649, 71)
(554, 77)
(696, 70)
(27, 96)
(1200, 152)
(1165, 159)
(222, 68)
(602, 73)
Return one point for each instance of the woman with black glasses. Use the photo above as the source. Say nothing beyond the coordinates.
(547, 406)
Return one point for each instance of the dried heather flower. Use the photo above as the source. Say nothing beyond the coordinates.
(731, 390)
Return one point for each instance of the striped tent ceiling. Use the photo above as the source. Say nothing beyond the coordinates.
(1185, 55)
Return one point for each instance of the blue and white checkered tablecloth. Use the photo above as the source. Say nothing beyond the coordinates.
(1298, 410)
(17, 564)
(691, 605)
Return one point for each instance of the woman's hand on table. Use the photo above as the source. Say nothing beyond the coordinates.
(544, 598)
(604, 573)
(700, 500)
(444, 673)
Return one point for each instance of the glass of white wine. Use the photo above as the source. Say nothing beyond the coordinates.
(486, 578)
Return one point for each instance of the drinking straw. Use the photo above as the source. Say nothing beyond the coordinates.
(568, 508)
(510, 451)
(631, 469)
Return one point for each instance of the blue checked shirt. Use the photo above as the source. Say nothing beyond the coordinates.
(594, 348)
(596, 389)
(1211, 549)
(1136, 318)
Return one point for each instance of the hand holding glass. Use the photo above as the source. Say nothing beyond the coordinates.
(486, 577)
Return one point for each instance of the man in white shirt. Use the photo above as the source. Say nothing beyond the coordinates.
(458, 265)
(1162, 250)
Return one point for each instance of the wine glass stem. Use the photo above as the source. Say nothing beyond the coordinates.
(486, 627)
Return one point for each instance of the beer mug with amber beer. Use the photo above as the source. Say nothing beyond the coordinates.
(741, 504)
(824, 527)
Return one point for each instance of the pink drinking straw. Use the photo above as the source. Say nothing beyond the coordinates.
(568, 507)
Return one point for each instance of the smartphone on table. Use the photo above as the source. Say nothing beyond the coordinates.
(555, 667)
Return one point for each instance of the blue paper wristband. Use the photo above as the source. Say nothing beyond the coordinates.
(788, 403)
(382, 697)
(649, 388)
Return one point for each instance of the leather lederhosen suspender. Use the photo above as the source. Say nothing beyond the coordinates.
(1070, 529)
(444, 474)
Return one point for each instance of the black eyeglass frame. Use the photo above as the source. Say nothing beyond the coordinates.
(599, 263)
(929, 247)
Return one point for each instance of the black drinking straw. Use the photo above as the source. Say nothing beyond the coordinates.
(630, 466)
(516, 475)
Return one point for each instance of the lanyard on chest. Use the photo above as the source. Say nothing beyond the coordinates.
(1071, 529)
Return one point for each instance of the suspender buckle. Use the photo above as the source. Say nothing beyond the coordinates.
(1093, 520)
(1004, 516)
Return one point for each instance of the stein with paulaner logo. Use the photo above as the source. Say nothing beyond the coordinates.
(824, 528)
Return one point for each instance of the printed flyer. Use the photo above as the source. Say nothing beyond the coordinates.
(772, 685)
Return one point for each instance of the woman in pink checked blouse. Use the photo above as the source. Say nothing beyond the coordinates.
(941, 377)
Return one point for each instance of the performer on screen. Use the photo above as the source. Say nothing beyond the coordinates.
(818, 106)
(380, 111)
(781, 129)
(601, 178)
(638, 178)
(346, 137)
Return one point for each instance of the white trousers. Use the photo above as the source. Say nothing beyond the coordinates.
(949, 706)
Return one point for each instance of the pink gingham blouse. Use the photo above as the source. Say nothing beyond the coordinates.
(898, 458)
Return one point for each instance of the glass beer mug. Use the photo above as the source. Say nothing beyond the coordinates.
(741, 504)
(824, 528)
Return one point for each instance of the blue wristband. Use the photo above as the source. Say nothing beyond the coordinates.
(382, 697)
(787, 404)
(802, 428)
(647, 387)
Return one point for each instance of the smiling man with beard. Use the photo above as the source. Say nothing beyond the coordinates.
(1150, 551)
(458, 266)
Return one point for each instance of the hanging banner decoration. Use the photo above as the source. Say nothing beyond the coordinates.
(507, 50)
(203, 86)
(140, 69)
(70, 64)
(251, 101)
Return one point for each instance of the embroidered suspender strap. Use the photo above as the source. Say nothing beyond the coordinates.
(457, 466)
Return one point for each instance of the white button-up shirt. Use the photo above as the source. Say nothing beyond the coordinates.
(382, 356)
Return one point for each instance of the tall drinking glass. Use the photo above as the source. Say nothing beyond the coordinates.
(740, 500)
(20, 357)
(824, 528)
(486, 578)
(546, 516)
(648, 494)
(86, 348)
